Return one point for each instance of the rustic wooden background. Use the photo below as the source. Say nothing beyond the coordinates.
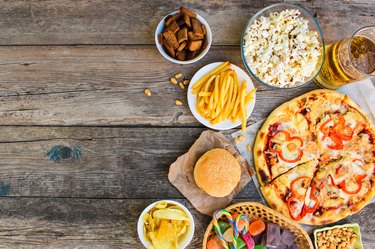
(81, 146)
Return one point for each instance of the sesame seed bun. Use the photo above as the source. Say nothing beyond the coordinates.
(217, 172)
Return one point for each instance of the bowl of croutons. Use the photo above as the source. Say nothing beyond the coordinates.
(183, 37)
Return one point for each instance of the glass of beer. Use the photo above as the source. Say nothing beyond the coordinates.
(348, 60)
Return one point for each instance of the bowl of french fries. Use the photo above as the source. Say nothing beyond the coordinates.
(165, 224)
(221, 96)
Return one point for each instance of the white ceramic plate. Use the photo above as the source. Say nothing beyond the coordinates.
(192, 98)
(184, 241)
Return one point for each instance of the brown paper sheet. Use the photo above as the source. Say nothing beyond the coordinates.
(181, 173)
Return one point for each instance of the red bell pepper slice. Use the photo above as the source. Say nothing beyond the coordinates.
(338, 145)
(324, 129)
(278, 149)
(338, 132)
(337, 171)
(342, 184)
(298, 184)
(358, 179)
(291, 208)
(333, 182)
(306, 208)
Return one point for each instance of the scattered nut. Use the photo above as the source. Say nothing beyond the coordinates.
(241, 138)
(147, 92)
(179, 75)
(182, 86)
(248, 147)
(173, 81)
(178, 102)
(186, 82)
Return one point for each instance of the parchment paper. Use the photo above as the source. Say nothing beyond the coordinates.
(182, 177)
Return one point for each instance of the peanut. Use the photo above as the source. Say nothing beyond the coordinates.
(178, 102)
(173, 81)
(147, 92)
(182, 86)
(248, 147)
(178, 75)
(241, 138)
(186, 82)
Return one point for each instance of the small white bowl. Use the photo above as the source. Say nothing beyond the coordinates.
(160, 28)
(192, 98)
(184, 242)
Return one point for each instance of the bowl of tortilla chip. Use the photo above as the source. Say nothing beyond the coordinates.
(165, 224)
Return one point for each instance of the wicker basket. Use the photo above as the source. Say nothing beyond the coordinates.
(256, 211)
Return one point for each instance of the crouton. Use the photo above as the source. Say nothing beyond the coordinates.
(195, 45)
(197, 26)
(169, 48)
(182, 46)
(170, 18)
(173, 27)
(188, 12)
(187, 21)
(182, 35)
(171, 39)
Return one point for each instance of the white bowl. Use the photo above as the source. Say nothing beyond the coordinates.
(192, 98)
(160, 28)
(184, 242)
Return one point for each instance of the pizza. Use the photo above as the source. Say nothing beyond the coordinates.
(315, 158)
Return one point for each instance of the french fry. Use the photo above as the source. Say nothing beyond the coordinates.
(243, 110)
(237, 103)
(214, 71)
(204, 94)
(230, 96)
(216, 91)
(250, 96)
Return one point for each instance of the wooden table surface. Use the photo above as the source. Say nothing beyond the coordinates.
(83, 151)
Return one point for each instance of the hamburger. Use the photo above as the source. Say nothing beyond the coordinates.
(217, 172)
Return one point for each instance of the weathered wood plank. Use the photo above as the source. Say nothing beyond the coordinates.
(93, 162)
(103, 85)
(113, 22)
(134, 22)
(77, 223)
(100, 223)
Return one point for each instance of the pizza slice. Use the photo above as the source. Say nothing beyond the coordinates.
(284, 142)
(342, 185)
(287, 193)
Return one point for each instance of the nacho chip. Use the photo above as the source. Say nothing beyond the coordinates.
(171, 214)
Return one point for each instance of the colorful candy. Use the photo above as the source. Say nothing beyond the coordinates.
(215, 221)
(213, 244)
(256, 227)
(241, 224)
(248, 240)
(260, 247)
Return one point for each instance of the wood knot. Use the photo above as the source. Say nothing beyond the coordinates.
(62, 152)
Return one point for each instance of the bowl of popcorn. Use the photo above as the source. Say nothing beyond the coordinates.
(282, 46)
